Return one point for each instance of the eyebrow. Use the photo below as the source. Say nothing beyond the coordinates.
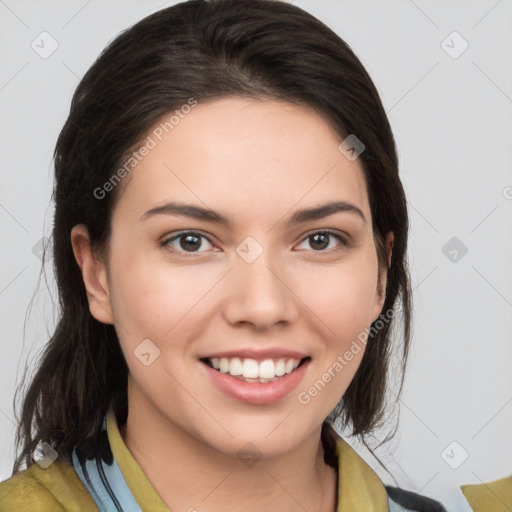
(300, 216)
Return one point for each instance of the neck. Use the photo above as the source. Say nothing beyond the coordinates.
(190, 475)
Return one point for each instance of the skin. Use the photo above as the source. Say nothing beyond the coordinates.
(256, 162)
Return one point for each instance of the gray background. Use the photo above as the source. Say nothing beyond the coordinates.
(451, 115)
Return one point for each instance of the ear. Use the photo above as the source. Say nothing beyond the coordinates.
(94, 274)
(380, 295)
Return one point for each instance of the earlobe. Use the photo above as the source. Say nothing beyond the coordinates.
(94, 274)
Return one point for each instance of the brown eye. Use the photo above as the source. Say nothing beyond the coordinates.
(319, 241)
(187, 242)
(322, 240)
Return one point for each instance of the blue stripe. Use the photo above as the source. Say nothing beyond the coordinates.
(105, 483)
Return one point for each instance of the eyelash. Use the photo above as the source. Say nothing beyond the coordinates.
(344, 241)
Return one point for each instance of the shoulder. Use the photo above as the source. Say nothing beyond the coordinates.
(360, 484)
(56, 489)
(401, 500)
(495, 495)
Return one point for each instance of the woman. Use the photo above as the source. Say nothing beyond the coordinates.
(230, 244)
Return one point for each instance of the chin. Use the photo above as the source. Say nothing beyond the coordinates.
(260, 441)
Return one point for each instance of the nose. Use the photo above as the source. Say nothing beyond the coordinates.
(260, 294)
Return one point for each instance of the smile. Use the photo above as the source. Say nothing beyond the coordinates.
(255, 381)
(250, 370)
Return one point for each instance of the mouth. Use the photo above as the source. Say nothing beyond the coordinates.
(255, 371)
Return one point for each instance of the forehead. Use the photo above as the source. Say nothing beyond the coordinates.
(243, 156)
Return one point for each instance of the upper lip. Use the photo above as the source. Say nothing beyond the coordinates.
(258, 355)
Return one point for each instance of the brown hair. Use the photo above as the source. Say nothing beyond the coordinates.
(201, 49)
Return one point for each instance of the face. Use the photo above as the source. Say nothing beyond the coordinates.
(248, 313)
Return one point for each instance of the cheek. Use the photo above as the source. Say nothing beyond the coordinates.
(342, 299)
(342, 295)
(153, 298)
(159, 302)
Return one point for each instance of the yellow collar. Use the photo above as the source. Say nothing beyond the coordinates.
(359, 488)
(141, 488)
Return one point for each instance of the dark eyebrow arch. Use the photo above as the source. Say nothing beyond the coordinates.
(200, 213)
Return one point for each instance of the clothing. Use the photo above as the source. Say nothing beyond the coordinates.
(110, 480)
(490, 497)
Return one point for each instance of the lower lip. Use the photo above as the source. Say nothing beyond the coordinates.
(257, 393)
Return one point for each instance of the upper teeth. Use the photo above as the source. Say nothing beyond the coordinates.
(251, 369)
